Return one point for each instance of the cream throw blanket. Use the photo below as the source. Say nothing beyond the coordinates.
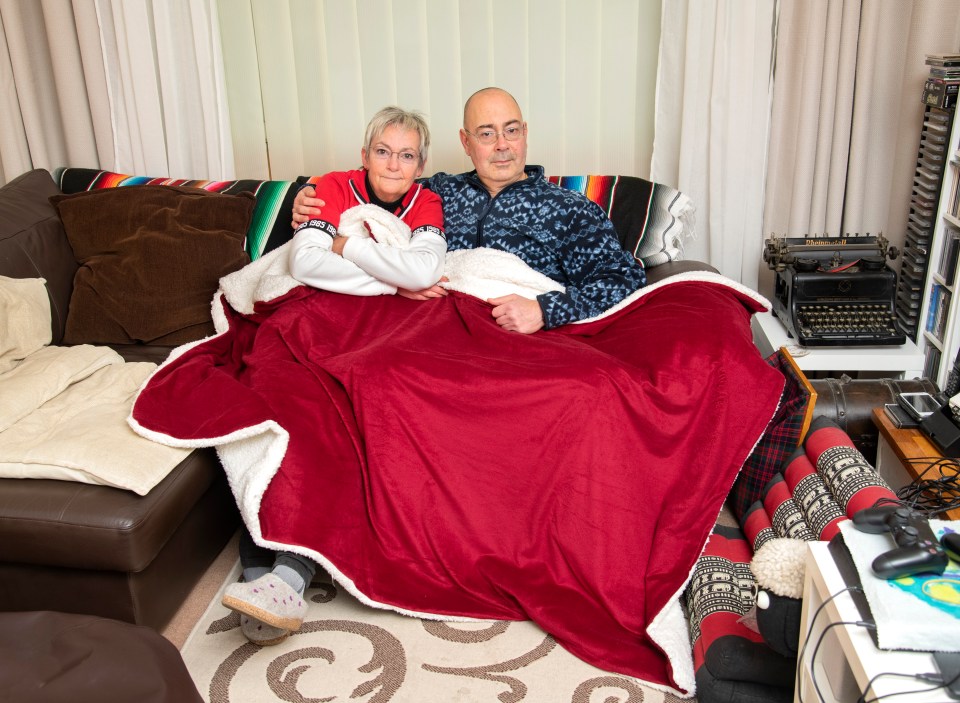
(63, 411)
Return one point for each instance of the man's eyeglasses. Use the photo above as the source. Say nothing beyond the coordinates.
(407, 158)
(490, 136)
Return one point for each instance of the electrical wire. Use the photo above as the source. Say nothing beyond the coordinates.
(806, 640)
(936, 488)
(813, 655)
(937, 681)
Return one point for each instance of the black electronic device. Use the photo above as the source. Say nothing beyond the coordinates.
(949, 665)
(900, 418)
(947, 662)
(919, 405)
(942, 429)
(835, 291)
(917, 550)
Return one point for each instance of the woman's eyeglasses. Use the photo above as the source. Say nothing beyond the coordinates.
(407, 158)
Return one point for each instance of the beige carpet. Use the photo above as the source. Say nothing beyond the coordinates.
(350, 653)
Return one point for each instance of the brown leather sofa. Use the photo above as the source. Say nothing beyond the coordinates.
(98, 550)
(93, 549)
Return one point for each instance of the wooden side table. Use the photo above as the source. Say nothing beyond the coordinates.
(904, 454)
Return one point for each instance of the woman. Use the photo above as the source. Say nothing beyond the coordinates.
(394, 155)
(270, 597)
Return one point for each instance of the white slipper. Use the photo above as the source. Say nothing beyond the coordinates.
(269, 599)
(260, 633)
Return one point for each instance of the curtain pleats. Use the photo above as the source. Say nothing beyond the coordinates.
(165, 87)
(712, 119)
(45, 116)
(135, 86)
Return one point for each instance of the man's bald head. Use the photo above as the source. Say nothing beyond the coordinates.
(482, 96)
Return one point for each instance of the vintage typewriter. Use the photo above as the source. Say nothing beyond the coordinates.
(835, 291)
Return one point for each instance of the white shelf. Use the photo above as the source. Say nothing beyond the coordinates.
(904, 361)
(848, 659)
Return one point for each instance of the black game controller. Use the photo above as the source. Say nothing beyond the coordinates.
(917, 550)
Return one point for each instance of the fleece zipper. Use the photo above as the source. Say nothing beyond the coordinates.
(475, 181)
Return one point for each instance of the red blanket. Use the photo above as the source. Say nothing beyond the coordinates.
(440, 466)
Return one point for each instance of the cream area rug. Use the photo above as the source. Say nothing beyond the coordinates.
(347, 652)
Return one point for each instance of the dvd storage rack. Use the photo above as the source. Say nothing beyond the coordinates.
(932, 158)
(940, 310)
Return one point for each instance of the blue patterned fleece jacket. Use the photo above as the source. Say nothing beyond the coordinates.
(556, 231)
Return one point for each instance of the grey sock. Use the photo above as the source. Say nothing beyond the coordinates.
(252, 573)
(290, 577)
(303, 567)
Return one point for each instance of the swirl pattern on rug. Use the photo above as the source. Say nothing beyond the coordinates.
(347, 652)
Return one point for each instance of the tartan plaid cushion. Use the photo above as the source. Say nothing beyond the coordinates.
(783, 436)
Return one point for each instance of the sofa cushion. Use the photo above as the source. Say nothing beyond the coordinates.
(652, 219)
(150, 261)
(269, 227)
(71, 525)
(33, 243)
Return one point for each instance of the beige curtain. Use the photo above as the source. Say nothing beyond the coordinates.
(45, 98)
(134, 86)
(847, 113)
(165, 84)
(713, 98)
(305, 76)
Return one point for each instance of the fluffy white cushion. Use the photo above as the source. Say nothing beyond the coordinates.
(81, 434)
(779, 566)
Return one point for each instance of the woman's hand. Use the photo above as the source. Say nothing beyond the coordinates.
(306, 206)
(434, 291)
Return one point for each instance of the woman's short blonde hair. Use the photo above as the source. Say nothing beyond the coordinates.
(393, 116)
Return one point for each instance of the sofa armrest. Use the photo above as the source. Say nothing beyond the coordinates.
(671, 268)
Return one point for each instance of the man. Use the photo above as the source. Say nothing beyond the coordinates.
(505, 204)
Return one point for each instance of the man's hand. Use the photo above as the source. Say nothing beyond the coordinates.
(516, 313)
(306, 206)
(434, 291)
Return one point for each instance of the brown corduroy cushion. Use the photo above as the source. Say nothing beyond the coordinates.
(150, 261)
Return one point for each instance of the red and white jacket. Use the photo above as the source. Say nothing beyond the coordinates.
(368, 267)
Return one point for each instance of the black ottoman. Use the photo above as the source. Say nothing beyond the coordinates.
(48, 657)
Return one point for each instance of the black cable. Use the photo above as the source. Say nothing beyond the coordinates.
(863, 693)
(806, 640)
(937, 493)
(919, 677)
(813, 656)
